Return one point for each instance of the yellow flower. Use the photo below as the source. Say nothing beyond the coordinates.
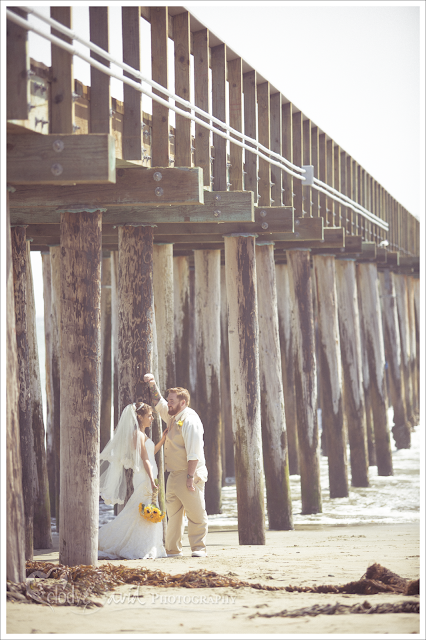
(180, 422)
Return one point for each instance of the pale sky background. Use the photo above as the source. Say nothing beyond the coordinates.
(356, 69)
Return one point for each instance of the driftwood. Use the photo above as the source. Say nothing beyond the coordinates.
(85, 581)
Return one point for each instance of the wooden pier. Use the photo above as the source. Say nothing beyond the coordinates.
(147, 224)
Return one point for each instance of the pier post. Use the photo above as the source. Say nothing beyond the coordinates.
(15, 515)
(243, 331)
(225, 383)
(182, 312)
(20, 266)
(207, 322)
(331, 374)
(41, 520)
(305, 379)
(47, 296)
(106, 387)
(55, 266)
(81, 239)
(413, 351)
(371, 323)
(164, 314)
(114, 331)
(351, 354)
(274, 434)
(404, 332)
(135, 318)
(285, 325)
(402, 428)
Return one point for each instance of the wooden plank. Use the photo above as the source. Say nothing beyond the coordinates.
(62, 105)
(323, 174)
(307, 159)
(18, 65)
(100, 98)
(183, 144)
(219, 111)
(315, 195)
(330, 182)
(350, 216)
(132, 130)
(343, 186)
(287, 151)
(250, 106)
(353, 244)
(264, 133)
(33, 159)
(235, 80)
(276, 146)
(334, 238)
(298, 160)
(201, 90)
(134, 187)
(160, 115)
(337, 220)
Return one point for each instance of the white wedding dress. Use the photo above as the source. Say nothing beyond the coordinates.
(129, 535)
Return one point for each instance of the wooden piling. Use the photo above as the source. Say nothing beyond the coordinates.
(274, 434)
(285, 323)
(135, 318)
(114, 330)
(331, 374)
(416, 294)
(245, 388)
(55, 266)
(351, 354)
(225, 383)
(371, 441)
(182, 311)
(402, 428)
(404, 332)
(15, 515)
(106, 386)
(41, 520)
(81, 238)
(413, 352)
(50, 457)
(305, 379)
(207, 322)
(20, 266)
(164, 314)
(371, 325)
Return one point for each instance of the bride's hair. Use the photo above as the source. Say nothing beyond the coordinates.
(142, 408)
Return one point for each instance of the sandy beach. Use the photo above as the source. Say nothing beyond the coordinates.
(308, 556)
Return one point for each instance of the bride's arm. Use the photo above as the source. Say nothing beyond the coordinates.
(161, 442)
(146, 462)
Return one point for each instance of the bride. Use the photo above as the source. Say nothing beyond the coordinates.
(129, 535)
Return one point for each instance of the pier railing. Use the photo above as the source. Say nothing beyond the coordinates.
(251, 137)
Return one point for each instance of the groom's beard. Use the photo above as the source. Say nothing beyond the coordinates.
(173, 412)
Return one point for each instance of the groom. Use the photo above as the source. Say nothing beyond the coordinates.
(184, 459)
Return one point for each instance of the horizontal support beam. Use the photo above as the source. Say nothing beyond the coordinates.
(35, 159)
(334, 238)
(135, 188)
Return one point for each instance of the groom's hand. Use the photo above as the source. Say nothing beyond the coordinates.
(149, 378)
(190, 484)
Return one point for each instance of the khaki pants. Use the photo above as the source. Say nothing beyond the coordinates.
(178, 499)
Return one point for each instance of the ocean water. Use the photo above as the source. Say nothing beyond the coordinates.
(388, 499)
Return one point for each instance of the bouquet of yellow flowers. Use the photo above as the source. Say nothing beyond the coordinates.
(150, 511)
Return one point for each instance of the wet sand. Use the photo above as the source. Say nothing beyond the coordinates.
(310, 555)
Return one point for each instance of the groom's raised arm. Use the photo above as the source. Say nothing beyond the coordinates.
(158, 401)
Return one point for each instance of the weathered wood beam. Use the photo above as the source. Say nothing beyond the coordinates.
(243, 331)
(17, 69)
(15, 515)
(52, 159)
(134, 187)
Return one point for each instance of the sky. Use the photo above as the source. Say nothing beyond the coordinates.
(356, 69)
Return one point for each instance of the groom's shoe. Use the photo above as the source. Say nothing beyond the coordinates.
(201, 553)
(174, 555)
